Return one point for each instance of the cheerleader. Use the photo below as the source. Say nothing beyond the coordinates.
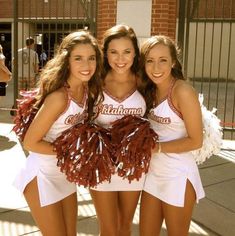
(61, 103)
(173, 184)
(116, 200)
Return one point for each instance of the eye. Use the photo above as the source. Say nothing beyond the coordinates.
(127, 51)
(92, 58)
(78, 58)
(149, 61)
(163, 60)
(112, 52)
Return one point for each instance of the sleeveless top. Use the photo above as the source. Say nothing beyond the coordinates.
(108, 111)
(112, 108)
(168, 172)
(53, 185)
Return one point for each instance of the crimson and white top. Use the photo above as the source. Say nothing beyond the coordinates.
(52, 183)
(109, 111)
(169, 172)
(73, 114)
(112, 108)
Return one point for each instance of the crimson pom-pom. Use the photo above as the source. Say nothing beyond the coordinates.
(25, 114)
(84, 154)
(133, 139)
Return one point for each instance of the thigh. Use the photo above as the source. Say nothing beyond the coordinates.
(151, 215)
(48, 218)
(106, 205)
(178, 218)
(70, 214)
(127, 203)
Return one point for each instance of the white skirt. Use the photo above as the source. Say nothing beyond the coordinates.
(167, 178)
(117, 183)
(52, 184)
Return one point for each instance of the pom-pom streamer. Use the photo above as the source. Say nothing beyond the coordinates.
(133, 140)
(84, 154)
(25, 113)
(212, 134)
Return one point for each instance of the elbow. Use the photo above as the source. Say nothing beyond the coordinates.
(198, 144)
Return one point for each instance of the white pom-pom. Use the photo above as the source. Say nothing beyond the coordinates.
(212, 134)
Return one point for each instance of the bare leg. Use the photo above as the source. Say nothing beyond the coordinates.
(127, 202)
(178, 218)
(151, 215)
(70, 212)
(50, 219)
(106, 205)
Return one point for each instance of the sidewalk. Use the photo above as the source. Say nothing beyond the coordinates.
(213, 216)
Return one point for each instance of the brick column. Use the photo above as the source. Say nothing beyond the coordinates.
(164, 17)
(106, 16)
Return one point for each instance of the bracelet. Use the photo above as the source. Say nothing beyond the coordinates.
(159, 148)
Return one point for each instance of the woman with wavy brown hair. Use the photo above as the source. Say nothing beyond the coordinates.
(68, 83)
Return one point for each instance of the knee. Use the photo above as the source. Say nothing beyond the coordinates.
(107, 229)
(125, 226)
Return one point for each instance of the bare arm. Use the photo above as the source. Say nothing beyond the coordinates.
(53, 106)
(3, 67)
(186, 101)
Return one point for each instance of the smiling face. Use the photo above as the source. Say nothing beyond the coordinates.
(121, 54)
(158, 64)
(82, 62)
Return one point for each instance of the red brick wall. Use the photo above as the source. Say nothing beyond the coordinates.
(164, 17)
(106, 16)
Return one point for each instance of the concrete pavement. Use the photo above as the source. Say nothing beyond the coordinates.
(213, 216)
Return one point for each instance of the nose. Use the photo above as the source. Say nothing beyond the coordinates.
(85, 63)
(156, 66)
(120, 57)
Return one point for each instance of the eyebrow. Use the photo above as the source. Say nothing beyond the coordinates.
(83, 56)
(117, 50)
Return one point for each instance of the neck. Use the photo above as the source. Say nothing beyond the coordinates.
(120, 78)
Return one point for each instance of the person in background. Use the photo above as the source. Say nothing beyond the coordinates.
(115, 201)
(28, 66)
(43, 59)
(173, 183)
(6, 72)
(67, 83)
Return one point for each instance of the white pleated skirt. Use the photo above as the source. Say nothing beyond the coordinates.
(52, 184)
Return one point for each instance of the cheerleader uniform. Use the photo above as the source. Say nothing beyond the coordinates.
(52, 184)
(109, 111)
(169, 172)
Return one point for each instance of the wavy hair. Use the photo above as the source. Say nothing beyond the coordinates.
(56, 72)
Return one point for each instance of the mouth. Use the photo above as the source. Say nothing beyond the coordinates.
(120, 65)
(157, 75)
(85, 72)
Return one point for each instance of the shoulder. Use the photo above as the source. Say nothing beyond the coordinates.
(57, 100)
(184, 94)
(183, 89)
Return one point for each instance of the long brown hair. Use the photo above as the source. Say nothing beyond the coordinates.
(56, 72)
(149, 88)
